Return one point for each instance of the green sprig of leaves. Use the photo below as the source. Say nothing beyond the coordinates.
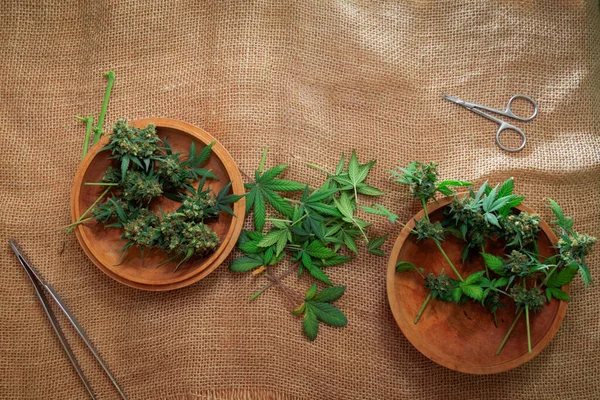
(314, 230)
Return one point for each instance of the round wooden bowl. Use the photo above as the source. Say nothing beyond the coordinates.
(103, 246)
(465, 338)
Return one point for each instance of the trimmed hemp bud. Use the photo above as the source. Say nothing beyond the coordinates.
(575, 247)
(129, 141)
(197, 207)
(429, 230)
(111, 175)
(521, 229)
(139, 231)
(441, 287)
(140, 187)
(532, 298)
(518, 264)
(107, 211)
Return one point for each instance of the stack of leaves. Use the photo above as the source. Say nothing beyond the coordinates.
(144, 170)
(522, 275)
(318, 229)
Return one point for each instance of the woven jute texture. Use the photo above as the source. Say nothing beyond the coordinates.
(309, 79)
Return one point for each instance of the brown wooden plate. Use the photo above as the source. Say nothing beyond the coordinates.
(103, 246)
(465, 338)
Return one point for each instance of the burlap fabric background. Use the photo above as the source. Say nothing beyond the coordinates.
(308, 79)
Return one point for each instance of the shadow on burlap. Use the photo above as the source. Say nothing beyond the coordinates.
(308, 79)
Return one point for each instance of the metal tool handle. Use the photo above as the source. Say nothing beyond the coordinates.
(39, 284)
(510, 113)
(506, 126)
(53, 321)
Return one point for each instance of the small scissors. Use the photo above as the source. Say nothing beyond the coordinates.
(39, 285)
(476, 108)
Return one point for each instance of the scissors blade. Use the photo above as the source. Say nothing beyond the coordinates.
(457, 101)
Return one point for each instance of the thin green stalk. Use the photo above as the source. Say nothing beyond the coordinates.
(448, 260)
(528, 331)
(487, 272)
(75, 223)
(89, 120)
(549, 275)
(71, 229)
(487, 275)
(100, 127)
(319, 168)
(424, 203)
(299, 219)
(509, 331)
(527, 321)
(423, 308)
(277, 219)
(261, 291)
(261, 166)
(100, 184)
(420, 273)
(292, 200)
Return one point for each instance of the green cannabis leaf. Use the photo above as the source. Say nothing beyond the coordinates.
(317, 307)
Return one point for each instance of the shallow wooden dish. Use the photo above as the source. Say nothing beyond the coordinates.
(103, 245)
(465, 338)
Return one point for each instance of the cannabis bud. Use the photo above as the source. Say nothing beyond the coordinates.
(429, 230)
(441, 286)
(139, 230)
(111, 175)
(521, 229)
(424, 177)
(107, 211)
(575, 247)
(518, 265)
(141, 187)
(531, 298)
(197, 207)
(126, 140)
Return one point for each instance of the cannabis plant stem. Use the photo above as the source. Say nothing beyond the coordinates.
(487, 275)
(509, 331)
(424, 203)
(287, 292)
(89, 120)
(549, 275)
(448, 260)
(99, 128)
(487, 272)
(318, 168)
(76, 223)
(423, 308)
(528, 331)
(100, 184)
(437, 243)
(89, 209)
(527, 321)
(267, 286)
(261, 166)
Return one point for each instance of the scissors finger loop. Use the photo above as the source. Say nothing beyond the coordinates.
(504, 126)
(509, 112)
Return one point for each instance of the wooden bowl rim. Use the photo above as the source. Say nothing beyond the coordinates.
(209, 264)
(411, 334)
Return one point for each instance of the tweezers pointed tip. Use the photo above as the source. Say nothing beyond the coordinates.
(14, 246)
(450, 98)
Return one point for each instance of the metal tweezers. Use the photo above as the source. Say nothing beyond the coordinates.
(39, 285)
